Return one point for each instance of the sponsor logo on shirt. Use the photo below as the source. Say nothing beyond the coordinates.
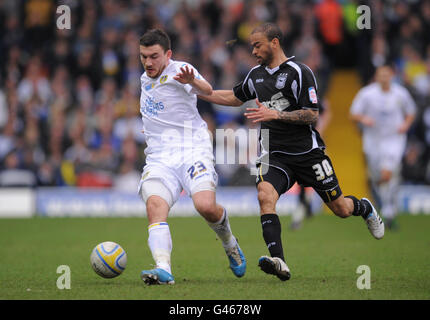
(277, 102)
(259, 80)
(150, 108)
(149, 86)
(313, 95)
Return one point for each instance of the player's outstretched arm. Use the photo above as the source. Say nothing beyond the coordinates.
(186, 76)
(222, 97)
(262, 113)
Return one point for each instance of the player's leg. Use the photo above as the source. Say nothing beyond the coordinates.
(270, 223)
(200, 180)
(217, 219)
(270, 186)
(383, 169)
(389, 181)
(159, 191)
(388, 189)
(321, 176)
(303, 210)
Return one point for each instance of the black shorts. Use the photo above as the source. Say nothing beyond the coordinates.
(313, 169)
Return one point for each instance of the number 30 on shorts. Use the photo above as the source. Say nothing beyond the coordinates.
(195, 169)
(322, 170)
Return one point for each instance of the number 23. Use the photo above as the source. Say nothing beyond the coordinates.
(197, 165)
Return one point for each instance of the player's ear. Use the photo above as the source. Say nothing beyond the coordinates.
(275, 42)
(169, 54)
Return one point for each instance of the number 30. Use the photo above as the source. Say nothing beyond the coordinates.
(320, 173)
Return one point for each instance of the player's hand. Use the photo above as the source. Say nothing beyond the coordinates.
(367, 121)
(185, 76)
(261, 113)
(403, 128)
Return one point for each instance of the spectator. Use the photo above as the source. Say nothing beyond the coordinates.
(52, 78)
(330, 26)
(35, 83)
(13, 175)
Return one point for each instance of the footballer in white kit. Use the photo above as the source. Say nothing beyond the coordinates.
(179, 155)
(179, 148)
(385, 111)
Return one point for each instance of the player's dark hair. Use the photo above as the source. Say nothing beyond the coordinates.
(388, 65)
(270, 30)
(155, 36)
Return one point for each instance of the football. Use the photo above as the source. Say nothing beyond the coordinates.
(108, 259)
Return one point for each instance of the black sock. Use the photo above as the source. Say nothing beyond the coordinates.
(361, 207)
(272, 234)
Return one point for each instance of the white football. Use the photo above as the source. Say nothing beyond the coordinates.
(108, 259)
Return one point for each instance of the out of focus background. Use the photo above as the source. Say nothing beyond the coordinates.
(69, 99)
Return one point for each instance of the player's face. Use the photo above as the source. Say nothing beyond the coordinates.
(261, 48)
(154, 59)
(384, 75)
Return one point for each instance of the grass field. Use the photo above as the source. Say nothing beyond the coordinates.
(323, 257)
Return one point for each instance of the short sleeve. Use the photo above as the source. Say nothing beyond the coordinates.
(409, 103)
(245, 90)
(358, 104)
(189, 88)
(308, 98)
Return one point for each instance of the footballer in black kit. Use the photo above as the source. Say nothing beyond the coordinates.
(286, 95)
(295, 152)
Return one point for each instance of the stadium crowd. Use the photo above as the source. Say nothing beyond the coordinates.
(69, 99)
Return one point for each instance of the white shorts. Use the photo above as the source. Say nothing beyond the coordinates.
(386, 157)
(168, 182)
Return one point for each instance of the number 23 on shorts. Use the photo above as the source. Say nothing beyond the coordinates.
(196, 168)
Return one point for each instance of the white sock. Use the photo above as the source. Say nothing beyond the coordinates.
(298, 215)
(223, 231)
(388, 192)
(160, 244)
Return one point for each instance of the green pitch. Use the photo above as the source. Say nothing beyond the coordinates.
(323, 257)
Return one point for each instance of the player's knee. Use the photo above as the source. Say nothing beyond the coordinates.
(264, 197)
(157, 209)
(206, 207)
(385, 176)
(267, 201)
(154, 204)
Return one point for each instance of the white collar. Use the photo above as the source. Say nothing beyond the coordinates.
(272, 71)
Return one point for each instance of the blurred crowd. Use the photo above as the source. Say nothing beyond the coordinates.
(69, 99)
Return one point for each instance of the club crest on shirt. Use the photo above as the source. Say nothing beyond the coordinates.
(163, 79)
(280, 80)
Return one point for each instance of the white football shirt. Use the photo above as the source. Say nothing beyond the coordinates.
(171, 121)
(388, 109)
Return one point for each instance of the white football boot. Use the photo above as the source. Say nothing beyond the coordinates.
(374, 222)
(275, 266)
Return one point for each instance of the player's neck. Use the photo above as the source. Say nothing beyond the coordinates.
(385, 87)
(278, 60)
